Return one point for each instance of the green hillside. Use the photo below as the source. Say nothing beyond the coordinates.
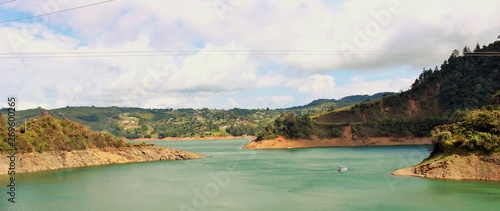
(460, 83)
(158, 123)
(438, 96)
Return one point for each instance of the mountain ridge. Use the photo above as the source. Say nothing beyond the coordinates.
(345, 101)
(142, 123)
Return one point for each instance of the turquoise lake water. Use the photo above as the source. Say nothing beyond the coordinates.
(235, 179)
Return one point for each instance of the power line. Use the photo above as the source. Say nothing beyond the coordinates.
(5, 2)
(223, 51)
(213, 52)
(60, 11)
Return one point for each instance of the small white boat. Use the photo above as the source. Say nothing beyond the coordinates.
(342, 168)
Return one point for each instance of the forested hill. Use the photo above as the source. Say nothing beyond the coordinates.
(461, 82)
(440, 95)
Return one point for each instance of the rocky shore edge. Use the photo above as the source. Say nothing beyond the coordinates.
(457, 167)
(34, 161)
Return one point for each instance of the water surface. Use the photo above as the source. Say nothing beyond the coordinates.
(235, 179)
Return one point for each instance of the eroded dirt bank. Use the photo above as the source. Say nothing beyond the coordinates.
(456, 167)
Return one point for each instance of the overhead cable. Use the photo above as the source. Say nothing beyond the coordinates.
(59, 11)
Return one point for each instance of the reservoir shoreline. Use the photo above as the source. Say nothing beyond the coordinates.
(281, 142)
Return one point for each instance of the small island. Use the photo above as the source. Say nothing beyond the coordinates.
(49, 143)
(466, 150)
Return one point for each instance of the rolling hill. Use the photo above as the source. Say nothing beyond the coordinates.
(135, 123)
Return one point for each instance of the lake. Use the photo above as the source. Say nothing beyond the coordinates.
(231, 178)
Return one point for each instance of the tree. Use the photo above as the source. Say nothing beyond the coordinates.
(478, 48)
(466, 50)
(291, 126)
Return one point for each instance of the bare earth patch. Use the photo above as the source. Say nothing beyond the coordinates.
(456, 167)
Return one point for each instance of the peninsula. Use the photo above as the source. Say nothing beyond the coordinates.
(466, 150)
(49, 143)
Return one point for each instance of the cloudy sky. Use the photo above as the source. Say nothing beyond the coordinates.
(226, 53)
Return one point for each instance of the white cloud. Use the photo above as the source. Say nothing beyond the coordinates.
(205, 78)
(233, 102)
(320, 86)
(281, 101)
